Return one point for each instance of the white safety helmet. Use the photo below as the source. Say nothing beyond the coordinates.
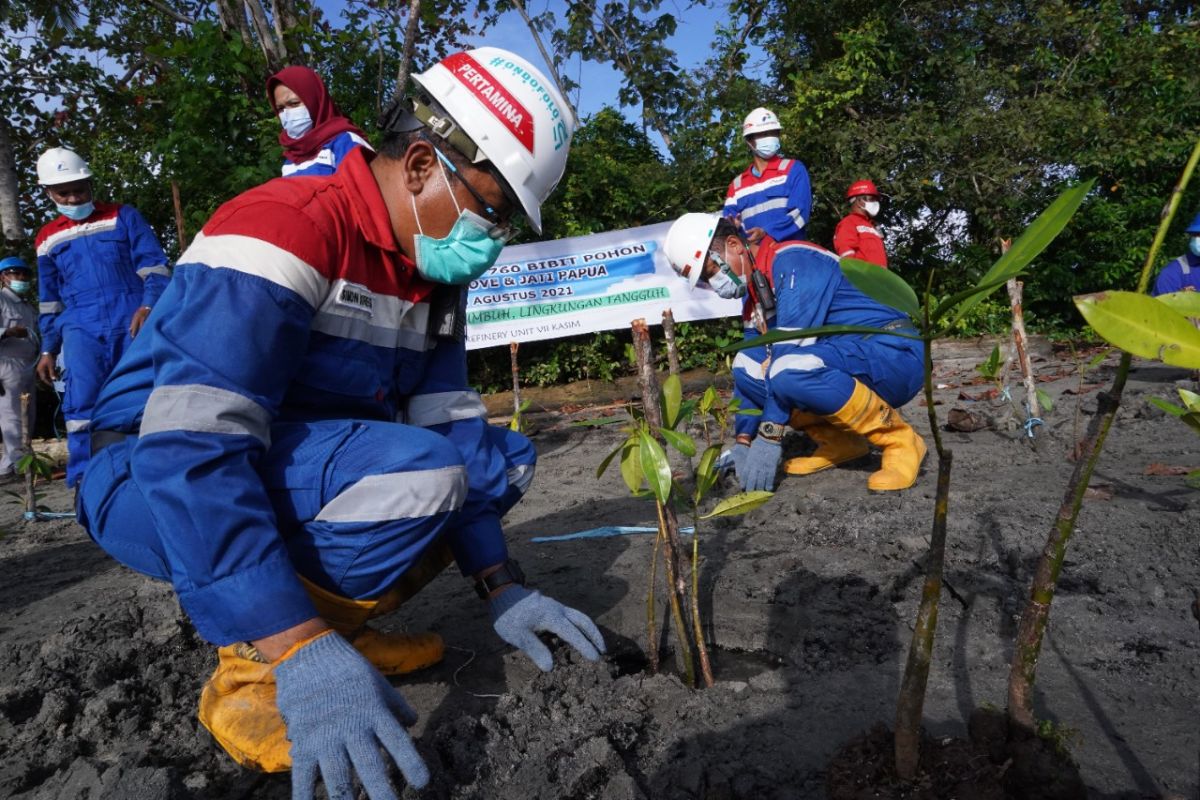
(511, 112)
(760, 120)
(60, 165)
(688, 242)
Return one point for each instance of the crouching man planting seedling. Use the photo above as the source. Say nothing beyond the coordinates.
(291, 440)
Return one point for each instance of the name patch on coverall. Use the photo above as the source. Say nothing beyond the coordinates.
(356, 296)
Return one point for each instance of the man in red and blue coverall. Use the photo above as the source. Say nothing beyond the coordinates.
(773, 197)
(856, 235)
(293, 442)
(842, 390)
(100, 271)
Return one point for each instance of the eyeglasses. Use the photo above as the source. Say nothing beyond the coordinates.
(501, 230)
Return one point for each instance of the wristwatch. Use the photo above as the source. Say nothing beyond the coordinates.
(509, 572)
(771, 431)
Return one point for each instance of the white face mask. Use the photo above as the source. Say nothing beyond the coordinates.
(725, 282)
(295, 121)
(871, 207)
(767, 146)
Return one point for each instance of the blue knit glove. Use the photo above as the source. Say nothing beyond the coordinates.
(519, 614)
(757, 471)
(732, 459)
(339, 710)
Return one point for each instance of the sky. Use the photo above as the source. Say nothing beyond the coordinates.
(599, 83)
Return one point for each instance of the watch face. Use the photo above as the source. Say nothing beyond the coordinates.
(770, 430)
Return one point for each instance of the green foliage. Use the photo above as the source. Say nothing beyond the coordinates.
(1142, 325)
(1189, 412)
(990, 368)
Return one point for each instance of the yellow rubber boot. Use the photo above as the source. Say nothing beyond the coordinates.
(869, 415)
(390, 653)
(834, 445)
(237, 706)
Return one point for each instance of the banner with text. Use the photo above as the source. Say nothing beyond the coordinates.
(548, 290)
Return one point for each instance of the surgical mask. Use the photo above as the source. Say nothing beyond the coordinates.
(871, 207)
(1194, 246)
(76, 212)
(20, 287)
(767, 146)
(295, 121)
(464, 254)
(725, 282)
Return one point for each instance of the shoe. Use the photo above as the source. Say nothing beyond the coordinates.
(834, 445)
(869, 415)
(237, 706)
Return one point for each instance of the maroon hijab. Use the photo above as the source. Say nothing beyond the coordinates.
(328, 121)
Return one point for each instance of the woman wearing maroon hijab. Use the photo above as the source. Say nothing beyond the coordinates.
(315, 136)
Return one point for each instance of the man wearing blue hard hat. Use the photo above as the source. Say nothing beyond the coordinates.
(1182, 274)
(19, 347)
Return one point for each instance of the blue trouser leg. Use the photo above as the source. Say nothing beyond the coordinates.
(820, 377)
(749, 386)
(358, 503)
(89, 361)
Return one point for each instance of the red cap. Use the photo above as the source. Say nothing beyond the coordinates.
(860, 188)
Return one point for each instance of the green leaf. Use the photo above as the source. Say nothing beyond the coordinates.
(991, 367)
(1186, 303)
(1170, 408)
(1141, 325)
(680, 441)
(1190, 399)
(708, 399)
(740, 503)
(881, 284)
(631, 466)
(1193, 479)
(653, 460)
(1044, 400)
(770, 337)
(672, 397)
(1096, 360)
(1040, 233)
(706, 472)
(600, 470)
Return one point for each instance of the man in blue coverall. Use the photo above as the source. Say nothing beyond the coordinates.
(100, 271)
(292, 440)
(842, 390)
(1182, 274)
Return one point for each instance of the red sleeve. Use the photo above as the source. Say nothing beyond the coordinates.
(845, 239)
(871, 249)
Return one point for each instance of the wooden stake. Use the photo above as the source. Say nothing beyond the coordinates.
(178, 216)
(669, 335)
(27, 445)
(1015, 288)
(516, 376)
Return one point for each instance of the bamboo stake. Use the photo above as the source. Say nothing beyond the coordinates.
(672, 347)
(651, 628)
(1015, 291)
(27, 446)
(516, 378)
(178, 216)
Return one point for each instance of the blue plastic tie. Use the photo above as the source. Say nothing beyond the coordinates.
(1031, 422)
(605, 532)
(44, 515)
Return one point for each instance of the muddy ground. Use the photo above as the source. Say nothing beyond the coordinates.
(810, 601)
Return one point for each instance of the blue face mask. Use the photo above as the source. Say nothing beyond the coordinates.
(462, 255)
(76, 212)
(20, 287)
(767, 146)
(295, 121)
(1194, 246)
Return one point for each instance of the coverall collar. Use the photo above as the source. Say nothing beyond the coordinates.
(370, 212)
(772, 164)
